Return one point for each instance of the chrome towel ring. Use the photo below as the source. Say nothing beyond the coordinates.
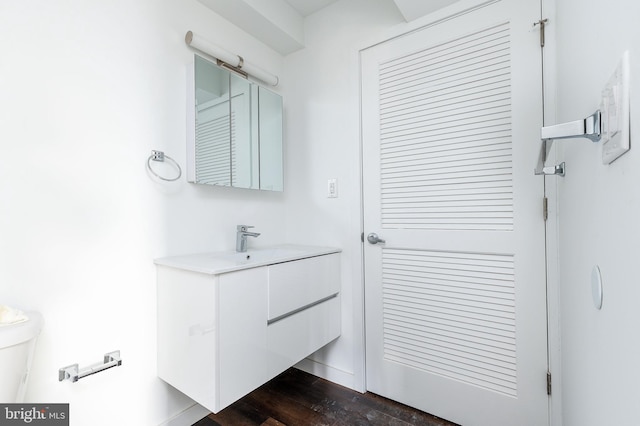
(160, 156)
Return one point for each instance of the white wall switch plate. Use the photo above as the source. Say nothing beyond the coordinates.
(615, 115)
(332, 188)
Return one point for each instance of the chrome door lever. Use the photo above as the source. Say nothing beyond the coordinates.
(374, 239)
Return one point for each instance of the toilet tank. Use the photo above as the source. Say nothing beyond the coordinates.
(17, 346)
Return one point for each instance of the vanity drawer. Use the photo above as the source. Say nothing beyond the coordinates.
(295, 337)
(295, 285)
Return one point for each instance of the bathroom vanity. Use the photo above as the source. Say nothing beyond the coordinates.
(230, 322)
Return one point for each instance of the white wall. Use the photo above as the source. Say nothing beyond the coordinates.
(87, 89)
(321, 86)
(599, 207)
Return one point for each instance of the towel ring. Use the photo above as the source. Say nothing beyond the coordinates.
(160, 156)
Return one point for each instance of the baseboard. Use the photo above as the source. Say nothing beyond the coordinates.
(327, 372)
(187, 417)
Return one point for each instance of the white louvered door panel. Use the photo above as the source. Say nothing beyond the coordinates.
(451, 314)
(455, 298)
(445, 120)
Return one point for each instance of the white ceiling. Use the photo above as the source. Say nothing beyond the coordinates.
(280, 23)
(307, 7)
(410, 9)
(414, 9)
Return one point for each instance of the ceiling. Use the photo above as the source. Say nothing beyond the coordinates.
(410, 9)
(307, 7)
(280, 23)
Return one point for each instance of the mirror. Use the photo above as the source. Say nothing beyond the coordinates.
(235, 130)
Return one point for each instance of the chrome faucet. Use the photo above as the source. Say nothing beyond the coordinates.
(241, 237)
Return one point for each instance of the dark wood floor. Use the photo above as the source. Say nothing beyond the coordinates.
(296, 398)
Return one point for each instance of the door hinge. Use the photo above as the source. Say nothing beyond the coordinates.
(548, 383)
(545, 208)
(542, 23)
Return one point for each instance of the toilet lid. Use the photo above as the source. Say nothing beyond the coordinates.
(13, 334)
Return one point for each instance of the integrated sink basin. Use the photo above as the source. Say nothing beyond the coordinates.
(229, 261)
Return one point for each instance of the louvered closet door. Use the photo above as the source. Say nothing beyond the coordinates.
(455, 297)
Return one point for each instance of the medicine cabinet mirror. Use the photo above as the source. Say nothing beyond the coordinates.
(235, 130)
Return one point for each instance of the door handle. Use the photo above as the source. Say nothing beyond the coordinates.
(374, 239)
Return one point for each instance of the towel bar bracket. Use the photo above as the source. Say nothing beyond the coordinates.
(557, 170)
(589, 127)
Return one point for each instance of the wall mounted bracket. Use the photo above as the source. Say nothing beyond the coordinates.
(541, 169)
(557, 170)
(586, 128)
(589, 127)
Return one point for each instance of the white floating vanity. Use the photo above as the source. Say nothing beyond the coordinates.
(230, 322)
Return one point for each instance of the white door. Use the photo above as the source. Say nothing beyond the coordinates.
(456, 295)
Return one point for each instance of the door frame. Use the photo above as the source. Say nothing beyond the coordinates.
(548, 8)
(552, 230)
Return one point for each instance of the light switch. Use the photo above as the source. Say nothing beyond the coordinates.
(615, 114)
(332, 188)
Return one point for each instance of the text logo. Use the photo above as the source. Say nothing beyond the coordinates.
(34, 414)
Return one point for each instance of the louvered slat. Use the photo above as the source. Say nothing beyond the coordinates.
(451, 314)
(445, 136)
(216, 157)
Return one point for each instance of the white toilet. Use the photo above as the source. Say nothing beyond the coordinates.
(17, 345)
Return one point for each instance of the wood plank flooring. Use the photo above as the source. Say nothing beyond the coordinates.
(296, 398)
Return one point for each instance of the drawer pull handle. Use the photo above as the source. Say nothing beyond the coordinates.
(305, 307)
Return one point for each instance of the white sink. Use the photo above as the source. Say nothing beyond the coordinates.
(222, 262)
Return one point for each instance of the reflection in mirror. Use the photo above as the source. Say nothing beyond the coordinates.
(213, 133)
(270, 112)
(241, 146)
(237, 135)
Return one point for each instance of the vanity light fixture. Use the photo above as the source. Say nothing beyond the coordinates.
(235, 62)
